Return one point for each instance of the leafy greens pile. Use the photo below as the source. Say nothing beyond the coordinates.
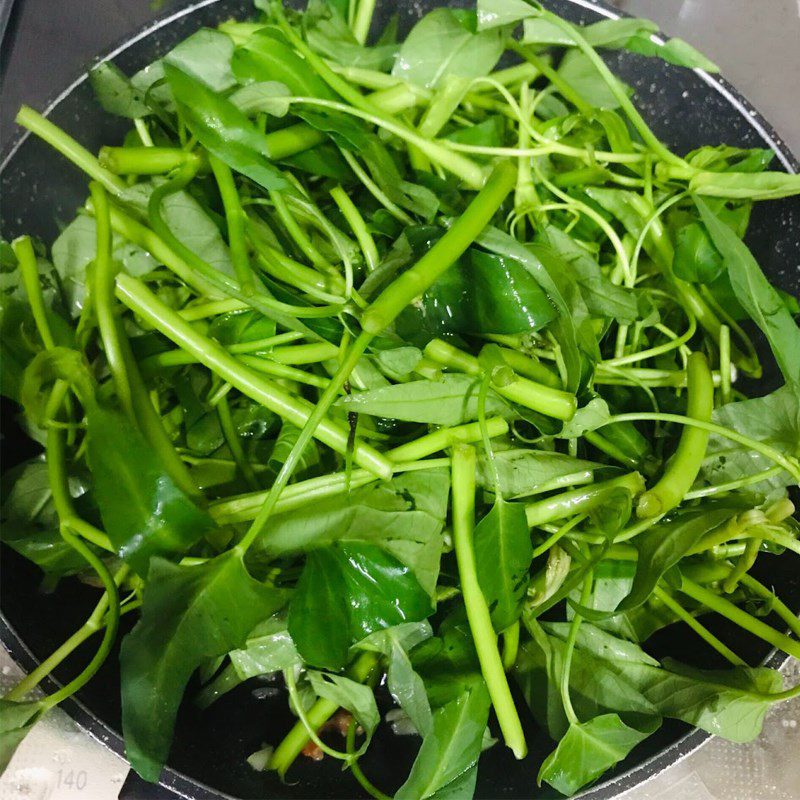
(329, 304)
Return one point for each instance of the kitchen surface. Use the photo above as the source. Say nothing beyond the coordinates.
(756, 45)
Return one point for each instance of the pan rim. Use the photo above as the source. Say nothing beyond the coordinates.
(189, 788)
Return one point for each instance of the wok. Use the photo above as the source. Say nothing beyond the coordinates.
(40, 191)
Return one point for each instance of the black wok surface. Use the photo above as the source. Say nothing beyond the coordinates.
(40, 193)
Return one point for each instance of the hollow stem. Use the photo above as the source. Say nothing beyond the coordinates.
(747, 622)
(480, 621)
(68, 147)
(684, 466)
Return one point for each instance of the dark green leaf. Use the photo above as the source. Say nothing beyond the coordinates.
(189, 615)
(696, 258)
(143, 511)
(664, 545)
(761, 301)
(404, 516)
(266, 56)
(447, 763)
(573, 328)
(482, 293)
(30, 524)
(319, 613)
(589, 749)
(503, 549)
(223, 129)
(444, 43)
(448, 663)
(241, 326)
(347, 592)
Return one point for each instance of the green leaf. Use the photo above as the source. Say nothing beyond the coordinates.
(30, 524)
(20, 340)
(757, 296)
(597, 685)
(402, 680)
(602, 643)
(206, 57)
(404, 516)
(398, 362)
(496, 13)
(319, 613)
(346, 592)
(595, 414)
(588, 750)
(774, 420)
(266, 97)
(729, 703)
(603, 298)
(449, 400)
(481, 294)
(16, 721)
(239, 327)
(143, 511)
(191, 224)
(286, 440)
(673, 51)
(444, 44)
(116, 93)
(76, 247)
(664, 545)
(447, 764)
(357, 698)
(525, 472)
(189, 615)
(745, 185)
(269, 648)
(573, 328)
(327, 32)
(223, 129)
(612, 583)
(624, 33)
(582, 75)
(266, 56)
(503, 548)
(696, 259)
(611, 33)
(448, 663)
